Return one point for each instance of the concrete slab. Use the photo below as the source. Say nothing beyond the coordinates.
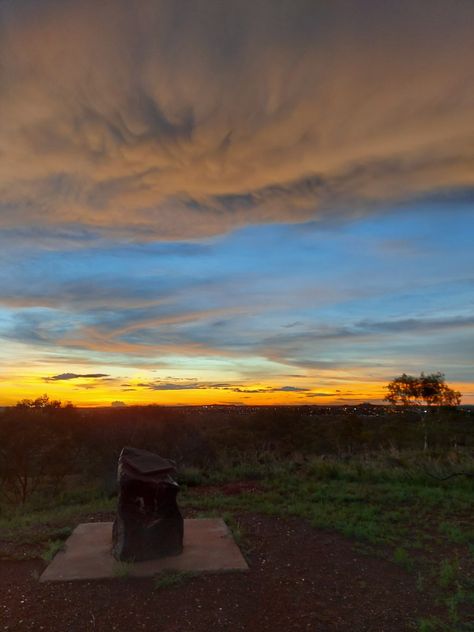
(208, 546)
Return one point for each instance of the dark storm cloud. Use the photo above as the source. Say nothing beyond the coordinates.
(169, 120)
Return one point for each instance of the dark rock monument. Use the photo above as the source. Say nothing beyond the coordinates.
(148, 523)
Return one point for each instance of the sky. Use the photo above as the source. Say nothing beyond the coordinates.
(265, 202)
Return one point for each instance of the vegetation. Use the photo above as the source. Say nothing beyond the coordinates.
(362, 472)
(166, 579)
(36, 441)
(53, 547)
(44, 444)
(428, 389)
(122, 569)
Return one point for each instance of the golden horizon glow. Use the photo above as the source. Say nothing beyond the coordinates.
(82, 394)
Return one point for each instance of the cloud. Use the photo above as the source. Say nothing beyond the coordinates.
(79, 296)
(165, 120)
(369, 328)
(370, 343)
(236, 388)
(416, 325)
(168, 386)
(316, 394)
(149, 330)
(74, 376)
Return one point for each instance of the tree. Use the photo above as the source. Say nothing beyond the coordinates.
(435, 392)
(403, 390)
(36, 444)
(40, 403)
(429, 389)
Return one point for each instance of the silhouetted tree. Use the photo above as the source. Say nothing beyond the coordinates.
(429, 389)
(40, 403)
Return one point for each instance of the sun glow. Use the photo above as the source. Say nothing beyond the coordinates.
(85, 390)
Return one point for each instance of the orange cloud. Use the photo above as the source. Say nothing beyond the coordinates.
(162, 120)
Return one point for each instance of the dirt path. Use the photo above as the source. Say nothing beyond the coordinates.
(300, 580)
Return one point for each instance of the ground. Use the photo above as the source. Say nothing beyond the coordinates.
(366, 544)
(300, 579)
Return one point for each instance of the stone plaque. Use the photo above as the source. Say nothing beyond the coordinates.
(148, 524)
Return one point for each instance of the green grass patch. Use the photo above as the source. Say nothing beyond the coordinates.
(382, 506)
(56, 544)
(431, 624)
(403, 558)
(168, 579)
(458, 533)
(122, 570)
(53, 547)
(37, 522)
(449, 573)
(235, 527)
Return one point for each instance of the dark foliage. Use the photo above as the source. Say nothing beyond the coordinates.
(42, 442)
(429, 389)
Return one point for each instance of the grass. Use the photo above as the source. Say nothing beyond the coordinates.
(378, 513)
(457, 533)
(403, 559)
(167, 579)
(56, 544)
(429, 625)
(236, 529)
(53, 547)
(448, 573)
(45, 518)
(383, 507)
(122, 570)
(387, 503)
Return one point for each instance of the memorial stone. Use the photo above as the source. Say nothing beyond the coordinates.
(148, 523)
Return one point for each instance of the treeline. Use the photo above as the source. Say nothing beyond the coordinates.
(42, 442)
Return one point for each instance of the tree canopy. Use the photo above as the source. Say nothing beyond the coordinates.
(430, 389)
(40, 403)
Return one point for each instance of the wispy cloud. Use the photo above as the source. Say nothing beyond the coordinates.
(170, 121)
(216, 386)
(137, 137)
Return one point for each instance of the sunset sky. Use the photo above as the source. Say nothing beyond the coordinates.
(248, 202)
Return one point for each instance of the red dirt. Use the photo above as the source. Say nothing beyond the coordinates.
(300, 579)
